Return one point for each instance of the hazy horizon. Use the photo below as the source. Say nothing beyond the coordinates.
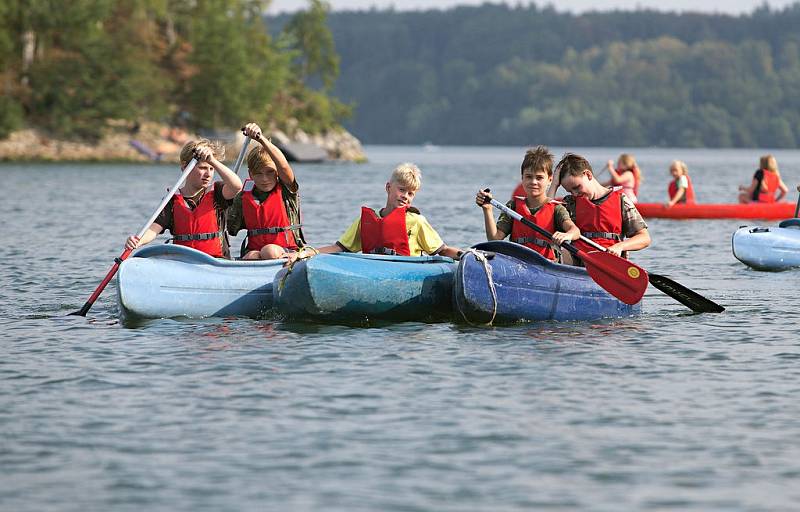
(709, 6)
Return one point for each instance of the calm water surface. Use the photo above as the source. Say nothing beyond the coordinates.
(666, 411)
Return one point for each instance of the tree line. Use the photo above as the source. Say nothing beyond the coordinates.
(70, 67)
(498, 74)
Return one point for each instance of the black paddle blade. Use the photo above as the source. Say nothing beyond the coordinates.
(685, 296)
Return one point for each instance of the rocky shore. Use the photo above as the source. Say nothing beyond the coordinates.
(157, 142)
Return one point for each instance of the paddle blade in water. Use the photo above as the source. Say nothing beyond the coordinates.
(685, 296)
(618, 276)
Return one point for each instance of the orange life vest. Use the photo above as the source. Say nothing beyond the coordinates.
(688, 194)
(385, 235)
(198, 228)
(522, 234)
(772, 180)
(267, 222)
(602, 223)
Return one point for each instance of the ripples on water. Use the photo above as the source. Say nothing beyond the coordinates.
(665, 411)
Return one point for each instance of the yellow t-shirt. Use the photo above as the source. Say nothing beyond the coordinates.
(421, 236)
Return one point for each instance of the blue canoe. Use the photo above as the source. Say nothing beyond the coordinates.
(768, 248)
(353, 287)
(506, 282)
(166, 281)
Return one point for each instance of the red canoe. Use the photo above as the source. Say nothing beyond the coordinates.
(768, 211)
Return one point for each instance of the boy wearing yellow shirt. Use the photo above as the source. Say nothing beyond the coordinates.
(396, 229)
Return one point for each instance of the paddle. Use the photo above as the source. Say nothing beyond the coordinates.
(689, 298)
(618, 276)
(122, 257)
(241, 155)
(797, 208)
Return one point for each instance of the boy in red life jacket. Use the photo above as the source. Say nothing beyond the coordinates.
(605, 215)
(680, 189)
(268, 206)
(397, 228)
(766, 182)
(537, 173)
(196, 215)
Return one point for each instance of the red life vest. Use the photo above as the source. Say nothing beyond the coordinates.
(602, 223)
(385, 235)
(267, 222)
(688, 194)
(197, 228)
(522, 234)
(772, 180)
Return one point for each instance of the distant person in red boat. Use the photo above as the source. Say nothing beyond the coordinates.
(534, 205)
(268, 206)
(680, 188)
(197, 214)
(605, 215)
(396, 229)
(766, 182)
(625, 174)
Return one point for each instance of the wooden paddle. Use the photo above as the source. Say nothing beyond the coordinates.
(689, 298)
(797, 208)
(618, 276)
(122, 257)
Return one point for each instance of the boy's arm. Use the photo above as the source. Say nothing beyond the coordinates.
(285, 172)
(230, 181)
(638, 241)
(492, 233)
(133, 241)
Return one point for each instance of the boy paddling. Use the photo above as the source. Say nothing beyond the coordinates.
(397, 228)
(537, 173)
(268, 206)
(606, 216)
(196, 216)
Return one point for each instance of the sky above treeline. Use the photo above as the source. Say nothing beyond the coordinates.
(576, 6)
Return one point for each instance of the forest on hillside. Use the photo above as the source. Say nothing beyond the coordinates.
(72, 69)
(497, 74)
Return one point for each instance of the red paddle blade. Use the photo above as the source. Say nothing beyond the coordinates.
(618, 276)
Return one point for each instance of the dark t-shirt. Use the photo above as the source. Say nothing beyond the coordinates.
(221, 205)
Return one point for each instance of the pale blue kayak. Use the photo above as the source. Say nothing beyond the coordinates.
(166, 281)
(768, 248)
(348, 287)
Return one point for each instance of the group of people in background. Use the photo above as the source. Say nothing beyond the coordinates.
(204, 212)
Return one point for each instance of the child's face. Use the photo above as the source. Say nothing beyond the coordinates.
(674, 171)
(201, 176)
(535, 182)
(265, 178)
(399, 195)
(579, 186)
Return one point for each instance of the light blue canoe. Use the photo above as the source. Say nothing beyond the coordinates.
(506, 282)
(166, 281)
(768, 248)
(353, 287)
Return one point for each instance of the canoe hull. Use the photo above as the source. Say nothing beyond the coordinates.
(766, 211)
(356, 287)
(168, 281)
(524, 286)
(767, 248)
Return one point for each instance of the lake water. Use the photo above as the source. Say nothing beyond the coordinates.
(666, 411)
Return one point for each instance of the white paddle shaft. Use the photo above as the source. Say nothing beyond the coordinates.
(171, 192)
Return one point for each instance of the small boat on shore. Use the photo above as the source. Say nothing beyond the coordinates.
(766, 211)
(504, 282)
(768, 248)
(167, 281)
(353, 287)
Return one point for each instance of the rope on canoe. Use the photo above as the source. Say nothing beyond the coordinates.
(303, 254)
(487, 270)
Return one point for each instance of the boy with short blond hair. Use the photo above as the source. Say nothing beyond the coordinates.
(396, 229)
(268, 206)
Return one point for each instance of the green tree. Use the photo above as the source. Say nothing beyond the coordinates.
(308, 35)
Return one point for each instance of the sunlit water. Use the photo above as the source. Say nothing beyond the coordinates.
(666, 411)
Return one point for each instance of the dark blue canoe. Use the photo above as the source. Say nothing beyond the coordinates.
(501, 282)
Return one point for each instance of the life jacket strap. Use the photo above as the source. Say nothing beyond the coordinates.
(272, 231)
(197, 236)
(531, 240)
(383, 250)
(601, 234)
